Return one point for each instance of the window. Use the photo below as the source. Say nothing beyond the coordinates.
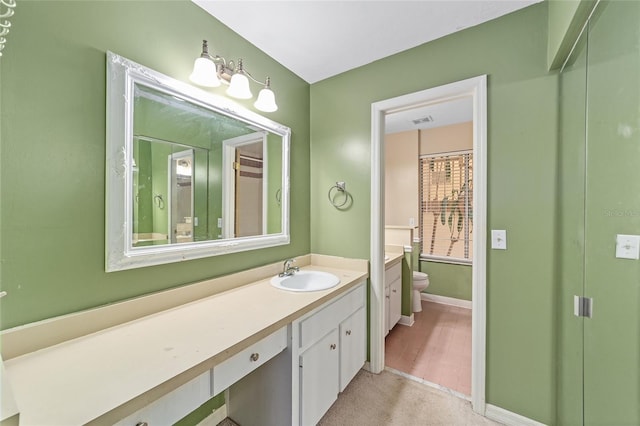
(446, 206)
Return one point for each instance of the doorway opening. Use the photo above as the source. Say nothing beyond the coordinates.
(474, 89)
(180, 196)
(429, 195)
(244, 186)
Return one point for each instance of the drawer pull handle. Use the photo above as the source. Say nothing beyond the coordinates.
(142, 424)
(348, 332)
(254, 356)
(333, 346)
(394, 290)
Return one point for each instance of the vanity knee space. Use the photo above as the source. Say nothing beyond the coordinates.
(327, 347)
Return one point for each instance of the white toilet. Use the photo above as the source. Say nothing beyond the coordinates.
(420, 282)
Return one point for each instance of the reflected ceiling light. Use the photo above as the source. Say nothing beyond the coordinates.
(211, 71)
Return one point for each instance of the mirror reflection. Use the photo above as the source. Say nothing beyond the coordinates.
(189, 174)
(199, 175)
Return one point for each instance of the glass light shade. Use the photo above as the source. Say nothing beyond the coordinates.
(204, 73)
(266, 101)
(239, 87)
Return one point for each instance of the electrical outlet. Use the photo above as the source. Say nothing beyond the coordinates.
(498, 239)
(628, 246)
(219, 222)
(412, 221)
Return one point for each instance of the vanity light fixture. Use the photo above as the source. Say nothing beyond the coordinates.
(211, 71)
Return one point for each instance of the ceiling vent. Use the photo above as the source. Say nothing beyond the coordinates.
(427, 119)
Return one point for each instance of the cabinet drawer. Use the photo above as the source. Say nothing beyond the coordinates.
(233, 369)
(392, 274)
(328, 318)
(173, 406)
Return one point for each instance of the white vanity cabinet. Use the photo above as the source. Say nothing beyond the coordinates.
(331, 347)
(393, 294)
(319, 378)
(353, 336)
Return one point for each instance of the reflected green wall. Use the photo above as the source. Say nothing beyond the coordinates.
(522, 139)
(53, 74)
(274, 184)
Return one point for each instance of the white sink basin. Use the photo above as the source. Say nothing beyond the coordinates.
(306, 280)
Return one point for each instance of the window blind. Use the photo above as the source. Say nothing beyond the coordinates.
(446, 206)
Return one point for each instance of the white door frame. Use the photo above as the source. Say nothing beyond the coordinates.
(229, 180)
(476, 88)
(170, 170)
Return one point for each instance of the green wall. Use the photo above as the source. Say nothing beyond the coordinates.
(449, 280)
(570, 240)
(522, 140)
(566, 19)
(597, 365)
(612, 206)
(53, 73)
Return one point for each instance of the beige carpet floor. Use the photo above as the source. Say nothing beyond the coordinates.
(389, 399)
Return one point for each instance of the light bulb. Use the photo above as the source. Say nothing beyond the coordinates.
(239, 87)
(204, 73)
(266, 101)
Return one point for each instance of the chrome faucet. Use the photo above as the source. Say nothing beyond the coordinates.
(287, 269)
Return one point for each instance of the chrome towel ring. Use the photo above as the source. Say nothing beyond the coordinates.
(341, 188)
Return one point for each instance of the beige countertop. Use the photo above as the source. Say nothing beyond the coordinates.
(106, 375)
(393, 254)
(393, 258)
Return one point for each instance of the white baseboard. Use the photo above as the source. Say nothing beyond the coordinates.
(406, 320)
(216, 417)
(446, 300)
(508, 418)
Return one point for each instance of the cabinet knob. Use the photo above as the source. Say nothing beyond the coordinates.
(394, 290)
(348, 332)
(333, 346)
(254, 356)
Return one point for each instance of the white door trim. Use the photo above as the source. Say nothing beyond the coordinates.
(475, 87)
(229, 180)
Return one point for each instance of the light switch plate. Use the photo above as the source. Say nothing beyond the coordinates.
(498, 239)
(628, 246)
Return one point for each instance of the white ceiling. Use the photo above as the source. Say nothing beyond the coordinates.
(320, 39)
(436, 115)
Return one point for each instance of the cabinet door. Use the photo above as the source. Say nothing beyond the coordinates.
(387, 292)
(319, 378)
(352, 346)
(395, 303)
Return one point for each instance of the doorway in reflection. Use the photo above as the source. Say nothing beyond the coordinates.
(181, 217)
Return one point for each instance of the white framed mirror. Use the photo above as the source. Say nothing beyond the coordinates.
(189, 174)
